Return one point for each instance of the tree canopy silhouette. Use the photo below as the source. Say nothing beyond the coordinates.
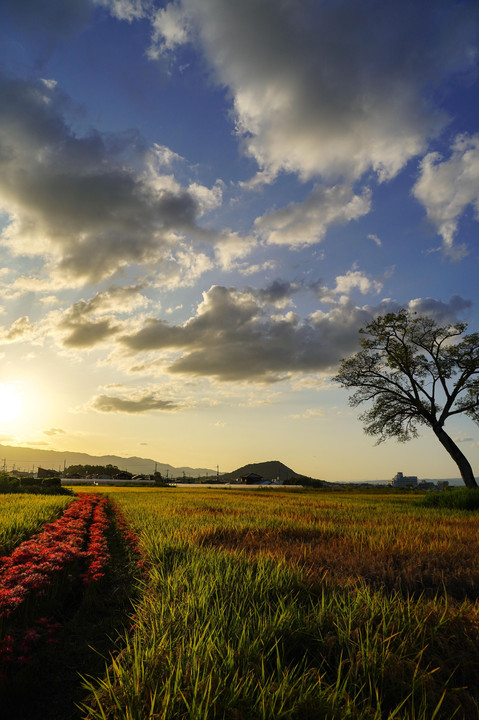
(415, 372)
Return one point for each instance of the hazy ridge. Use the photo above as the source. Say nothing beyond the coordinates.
(25, 458)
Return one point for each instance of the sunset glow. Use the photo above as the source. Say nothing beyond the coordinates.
(203, 201)
(11, 404)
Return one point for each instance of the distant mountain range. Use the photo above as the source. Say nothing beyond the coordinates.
(24, 458)
(29, 459)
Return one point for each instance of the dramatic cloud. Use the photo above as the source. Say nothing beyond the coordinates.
(233, 337)
(306, 223)
(329, 88)
(84, 334)
(447, 187)
(83, 325)
(133, 405)
(79, 202)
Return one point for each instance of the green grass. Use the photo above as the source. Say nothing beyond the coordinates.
(454, 499)
(278, 606)
(24, 515)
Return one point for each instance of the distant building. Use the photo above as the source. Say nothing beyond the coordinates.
(44, 473)
(426, 485)
(402, 481)
(251, 479)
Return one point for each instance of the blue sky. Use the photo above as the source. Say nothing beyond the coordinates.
(203, 201)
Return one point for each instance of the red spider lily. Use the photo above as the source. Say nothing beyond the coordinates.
(97, 550)
(17, 649)
(31, 566)
(79, 535)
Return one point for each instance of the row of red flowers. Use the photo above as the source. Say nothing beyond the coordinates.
(31, 567)
(97, 551)
(79, 535)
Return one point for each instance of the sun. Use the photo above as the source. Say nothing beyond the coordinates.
(10, 403)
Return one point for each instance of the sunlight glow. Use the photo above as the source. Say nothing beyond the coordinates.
(11, 404)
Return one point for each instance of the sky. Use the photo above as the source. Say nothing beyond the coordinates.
(202, 201)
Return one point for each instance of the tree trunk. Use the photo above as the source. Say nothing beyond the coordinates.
(459, 458)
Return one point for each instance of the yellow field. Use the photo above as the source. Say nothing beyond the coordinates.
(275, 604)
(23, 515)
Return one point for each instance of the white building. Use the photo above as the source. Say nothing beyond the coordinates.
(400, 480)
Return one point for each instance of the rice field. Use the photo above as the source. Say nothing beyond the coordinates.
(255, 604)
(23, 515)
(271, 604)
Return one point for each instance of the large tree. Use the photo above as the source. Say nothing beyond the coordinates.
(415, 372)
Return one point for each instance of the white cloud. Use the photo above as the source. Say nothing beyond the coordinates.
(353, 279)
(232, 249)
(306, 223)
(170, 29)
(332, 89)
(207, 198)
(446, 187)
(125, 9)
(356, 279)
